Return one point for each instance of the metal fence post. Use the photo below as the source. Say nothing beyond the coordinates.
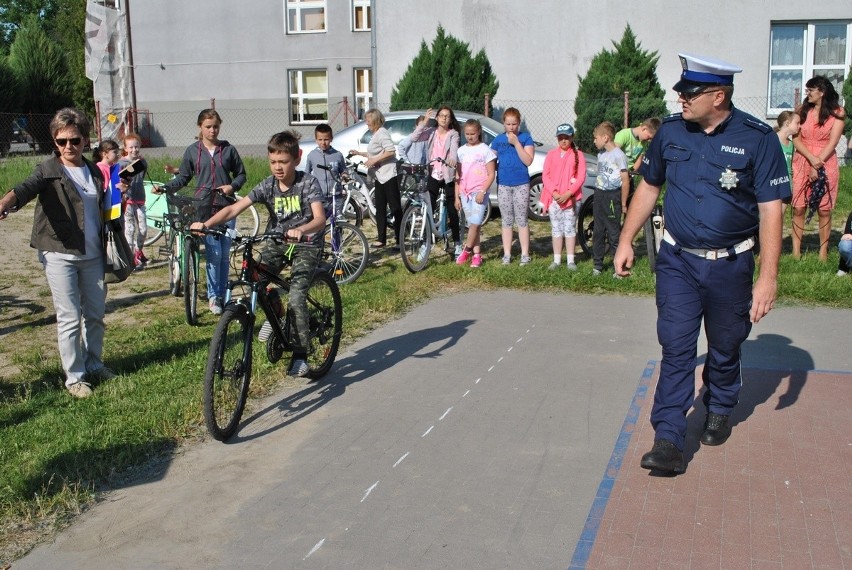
(626, 109)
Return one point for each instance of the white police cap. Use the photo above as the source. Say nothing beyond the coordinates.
(700, 71)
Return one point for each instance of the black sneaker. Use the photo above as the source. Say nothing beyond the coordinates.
(664, 456)
(716, 429)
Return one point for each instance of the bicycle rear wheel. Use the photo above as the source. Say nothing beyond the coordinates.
(190, 281)
(586, 225)
(248, 222)
(325, 323)
(349, 251)
(175, 250)
(228, 372)
(352, 212)
(416, 236)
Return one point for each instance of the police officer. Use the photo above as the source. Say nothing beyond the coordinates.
(726, 178)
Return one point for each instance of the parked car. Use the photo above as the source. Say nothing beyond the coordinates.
(400, 124)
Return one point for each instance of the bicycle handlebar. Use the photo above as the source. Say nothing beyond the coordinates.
(244, 239)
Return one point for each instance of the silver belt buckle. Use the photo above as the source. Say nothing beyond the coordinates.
(712, 255)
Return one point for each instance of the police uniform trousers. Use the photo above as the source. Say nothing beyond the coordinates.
(689, 289)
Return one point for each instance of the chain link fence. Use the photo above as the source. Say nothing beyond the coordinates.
(168, 132)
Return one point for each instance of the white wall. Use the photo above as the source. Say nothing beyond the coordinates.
(538, 49)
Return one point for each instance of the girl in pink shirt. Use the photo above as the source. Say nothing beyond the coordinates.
(562, 178)
(475, 174)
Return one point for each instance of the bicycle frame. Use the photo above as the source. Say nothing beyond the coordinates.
(256, 278)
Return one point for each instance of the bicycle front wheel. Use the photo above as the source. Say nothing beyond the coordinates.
(190, 280)
(228, 372)
(325, 323)
(349, 252)
(416, 235)
(175, 251)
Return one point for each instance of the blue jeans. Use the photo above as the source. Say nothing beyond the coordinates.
(217, 250)
(845, 249)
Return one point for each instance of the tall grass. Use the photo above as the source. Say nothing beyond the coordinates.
(56, 451)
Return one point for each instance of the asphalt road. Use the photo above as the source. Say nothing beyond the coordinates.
(470, 433)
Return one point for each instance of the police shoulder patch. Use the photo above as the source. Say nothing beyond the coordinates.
(757, 124)
(672, 117)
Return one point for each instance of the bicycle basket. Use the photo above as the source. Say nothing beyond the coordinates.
(414, 169)
(189, 205)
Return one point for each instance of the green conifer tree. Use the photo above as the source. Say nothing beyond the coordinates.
(42, 71)
(446, 74)
(600, 96)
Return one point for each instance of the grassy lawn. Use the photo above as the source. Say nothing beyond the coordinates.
(57, 452)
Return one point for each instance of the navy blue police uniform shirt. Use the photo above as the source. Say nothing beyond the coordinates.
(715, 181)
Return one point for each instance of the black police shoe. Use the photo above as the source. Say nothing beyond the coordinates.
(716, 429)
(664, 456)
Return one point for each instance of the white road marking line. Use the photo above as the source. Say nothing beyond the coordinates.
(519, 340)
(425, 433)
(398, 461)
(316, 547)
(465, 394)
(370, 490)
(510, 349)
(477, 380)
(499, 360)
(445, 413)
(491, 368)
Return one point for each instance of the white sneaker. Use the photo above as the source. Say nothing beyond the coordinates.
(80, 389)
(299, 368)
(215, 306)
(525, 260)
(553, 266)
(596, 271)
(507, 259)
(572, 266)
(841, 273)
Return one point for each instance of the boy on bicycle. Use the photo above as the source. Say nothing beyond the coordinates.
(295, 204)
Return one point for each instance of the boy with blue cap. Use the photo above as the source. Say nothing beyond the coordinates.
(725, 179)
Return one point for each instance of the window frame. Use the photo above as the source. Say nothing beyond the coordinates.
(363, 99)
(366, 5)
(297, 116)
(807, 68)
(298, 6)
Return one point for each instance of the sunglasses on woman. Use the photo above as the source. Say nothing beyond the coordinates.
(75, 141)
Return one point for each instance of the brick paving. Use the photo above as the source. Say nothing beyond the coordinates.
(776, 495)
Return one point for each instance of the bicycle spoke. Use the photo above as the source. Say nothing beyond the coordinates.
(228, 372)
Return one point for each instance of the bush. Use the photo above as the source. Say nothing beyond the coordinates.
(448, 74)
(600, 96)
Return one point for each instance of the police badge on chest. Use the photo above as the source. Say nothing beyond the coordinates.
(729, 180)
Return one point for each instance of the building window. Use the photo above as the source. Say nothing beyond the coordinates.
(361, 15)
(798, 51)
(304, 16)
(308, 96)
(363, 90)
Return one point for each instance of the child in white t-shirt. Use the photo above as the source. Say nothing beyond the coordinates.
(474, 176)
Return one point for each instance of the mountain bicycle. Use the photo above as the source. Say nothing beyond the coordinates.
(421, 225)
(348, 250)
(229, 364)
(184, 248)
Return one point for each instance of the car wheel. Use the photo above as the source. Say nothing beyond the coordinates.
(537, 213)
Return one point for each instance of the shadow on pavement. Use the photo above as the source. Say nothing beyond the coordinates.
(363, 364)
